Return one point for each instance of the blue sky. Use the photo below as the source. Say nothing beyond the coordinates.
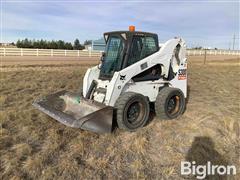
(200, 23)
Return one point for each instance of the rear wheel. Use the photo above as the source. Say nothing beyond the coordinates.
(170, 103)
(132, 111)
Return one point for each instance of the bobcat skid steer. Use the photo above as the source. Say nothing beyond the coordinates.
(133, 72)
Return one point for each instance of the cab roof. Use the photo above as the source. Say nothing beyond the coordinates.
(130, 33)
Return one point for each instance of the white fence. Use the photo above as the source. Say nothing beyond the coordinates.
(192, 52)
(84, 53)
(47, 52)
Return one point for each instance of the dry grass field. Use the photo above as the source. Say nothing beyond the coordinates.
(34, 146)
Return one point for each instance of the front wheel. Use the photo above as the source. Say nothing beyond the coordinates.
(170, 103)
(132, 111)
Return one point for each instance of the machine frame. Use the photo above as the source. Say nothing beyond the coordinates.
(121, 81)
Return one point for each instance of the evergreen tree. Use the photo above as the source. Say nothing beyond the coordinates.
(44, 44)
(19, 44)
(36, 44)
(53, 44)
(77, 44)
(61, 44)
(68, 46)
(26, 43)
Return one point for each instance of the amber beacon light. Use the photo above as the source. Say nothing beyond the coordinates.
(131, 28)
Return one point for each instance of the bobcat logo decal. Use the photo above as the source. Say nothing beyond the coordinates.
(122, 77)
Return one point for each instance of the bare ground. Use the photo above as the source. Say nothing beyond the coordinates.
(34, 146)
(34, 61)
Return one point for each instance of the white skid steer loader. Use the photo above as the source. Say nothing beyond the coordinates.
(134, 72)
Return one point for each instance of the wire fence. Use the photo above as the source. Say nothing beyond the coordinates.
(86, 53)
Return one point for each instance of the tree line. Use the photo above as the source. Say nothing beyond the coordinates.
(44, 44)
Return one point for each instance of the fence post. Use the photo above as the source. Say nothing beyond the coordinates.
(78, 53)
(51, 52)
(65, 52)
(37, 52)
(21, 52)
(205, 56)
(215, 52)
(89, 53)
(4, 51)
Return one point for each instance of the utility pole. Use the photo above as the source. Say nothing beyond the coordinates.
(205, 56)
(234, 37)
(229, 46)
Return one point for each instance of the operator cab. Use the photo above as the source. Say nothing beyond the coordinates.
(124, 48)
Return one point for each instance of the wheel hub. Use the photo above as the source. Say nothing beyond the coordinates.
(133, 112)
(173, 105)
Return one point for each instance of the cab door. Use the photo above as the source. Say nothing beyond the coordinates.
(141, 47)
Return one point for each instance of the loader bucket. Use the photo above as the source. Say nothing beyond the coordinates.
(73, 110)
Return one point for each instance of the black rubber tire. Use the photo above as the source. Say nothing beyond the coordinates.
(162, 101)
(122, 106)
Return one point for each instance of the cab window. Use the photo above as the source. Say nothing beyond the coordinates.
(113, 56)
(142, 46)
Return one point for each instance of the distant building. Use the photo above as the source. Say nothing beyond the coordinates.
(7, 45)
(98, 45)
(88, 47)
(209, 48)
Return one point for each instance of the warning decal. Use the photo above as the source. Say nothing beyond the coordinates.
(182, 74)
